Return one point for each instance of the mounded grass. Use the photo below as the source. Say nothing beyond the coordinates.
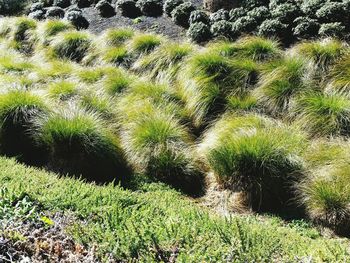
(71, 45)
(256, 48)
(117, 37)
(207, 80)
(153, 220)
(51, 28)
(144, 43)
(280, 83)
(325, 114)
(91, 75)
(326, 196)
(96, 102)
(164, 63)
(261, 161)
(116, 82)
(340, 74)
(118, 56)
(62, 90)
(18, 109)
(157, 145)
(80, 143)
(324, 53)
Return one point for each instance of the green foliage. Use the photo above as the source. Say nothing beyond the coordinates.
(219, 15)
(280, 84)
(181, 14)
(116, 82)
(198, 16)
(18, 109)
(71, 45)
(262, 161)
(79, 143)
(51, 28)
(324, 114)
(340, 74)
(117, 56)
(199, 32)
(150, 7)
(222, 28)
(169, 6)
(128, 8)
(12, 7)
(117, 37)
(144, 43)
(62, 90)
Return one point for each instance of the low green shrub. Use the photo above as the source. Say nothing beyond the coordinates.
(105, 8)
(310, 7)
(222, 28)
(12, 7)
(128, 8)
(17, 112)
(54, 12)
(263, 162)
(82, 3)
(199, 32)
(219, 15)
(237, 13)
(336, 29)
(275, 29)
(77, 19)
(332, 12)
(181, 14)
(62, 3)
(150, 7)
(71, 45)
(305, 28)
(243, 25)
(286, 13)
(169, 6)
(79, 143)
(260, 13)
(199, 16)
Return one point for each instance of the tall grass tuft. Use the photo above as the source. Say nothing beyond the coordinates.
(18, 109)
(117, 37)
(79, 143)
(256, 48)
(157, 145)
(71, 45)
(50, 28)
(256, 156)
(116, 82)
(208, 78)
(340, 74)
(62, 90)
(144, 43)
(280, 83)
(164, 63)
(22, 36)
(326, 196)
(324, 114)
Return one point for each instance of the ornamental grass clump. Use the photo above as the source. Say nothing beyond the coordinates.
(157, 145)
(71, 45)
(324, 114)
(326, 197)
(50, 28)
(117, 37)
(144, 43)
(164, 63)
(280, 83)
(208, 78)
(18, 109)
(80, 144)
(257, 156)
(62, 90)
(340, 74)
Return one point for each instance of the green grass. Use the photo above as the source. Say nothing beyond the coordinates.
(62, 90)
(117, 37)
(154, 220)
(144, 43)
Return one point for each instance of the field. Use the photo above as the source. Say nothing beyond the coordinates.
(131, 146)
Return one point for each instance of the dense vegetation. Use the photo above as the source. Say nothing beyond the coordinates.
(268, 124)
(147, 223)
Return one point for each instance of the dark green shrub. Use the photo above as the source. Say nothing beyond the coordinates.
(219, 15)
(181, 14)
(274, 3)
(62, 3)
(199, 16)
(71, 45)
(332, 12)
(77, 19)
(245, 24)
(38, 15)
(79, 143)
(260, 13)
(128, 8)
(199, 32)
(36, 6)
(17, 112)
(305, 28)
(222, 28)
(12, 7)
(82, 3)
(275, 28)
(54, 12)
(237, 13)
(105, 8)
(336, 29)
(46, 3)
(310, 7)
(250, 4)
(150, 7)
(169, 5)
(286, 13)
